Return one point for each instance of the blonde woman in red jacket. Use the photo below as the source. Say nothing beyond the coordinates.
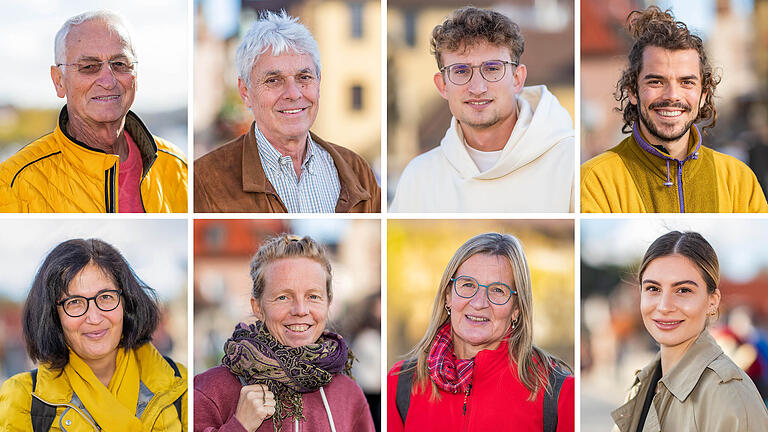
(476, 368)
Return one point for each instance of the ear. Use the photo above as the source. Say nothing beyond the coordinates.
(243, 90)
(632, 97)
(521, 73)
(440, 84)
(702, 99)
(256, 308)
(58, 81)
(714, 299)
(448, 298)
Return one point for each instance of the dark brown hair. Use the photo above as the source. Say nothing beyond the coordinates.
(654, 27)
(470, 25)
(690, 245)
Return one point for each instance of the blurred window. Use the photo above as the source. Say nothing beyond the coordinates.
(410, 27)
(356, 15)
(357, 98)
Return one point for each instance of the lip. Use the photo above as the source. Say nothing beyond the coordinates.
(96, 334)
(478, 103)
(298, 328)
(292, 111)
(667, 324)
(476, 319)
(105, 98)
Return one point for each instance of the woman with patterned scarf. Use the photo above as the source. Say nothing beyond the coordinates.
(88, 320)
(476, 368)
(285, 372)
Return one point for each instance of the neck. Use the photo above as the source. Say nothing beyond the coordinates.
(678, 148)
(104, 368)
(296, 148)
(464, 351)
(490, 138)
(107, 137)
(671, 355)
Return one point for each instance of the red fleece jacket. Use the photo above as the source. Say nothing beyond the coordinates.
(497, 402)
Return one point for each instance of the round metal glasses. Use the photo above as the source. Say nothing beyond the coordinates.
(76, 306)
(491, 71)
(498, 293)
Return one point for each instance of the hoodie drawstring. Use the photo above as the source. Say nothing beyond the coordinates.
(668, 183)
(327, 410)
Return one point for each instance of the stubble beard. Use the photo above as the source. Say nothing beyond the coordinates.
(654, 131)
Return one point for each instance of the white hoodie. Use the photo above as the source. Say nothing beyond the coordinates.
(535, 172)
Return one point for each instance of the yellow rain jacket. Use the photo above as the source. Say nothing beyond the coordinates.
(158, 389)
(58, 174)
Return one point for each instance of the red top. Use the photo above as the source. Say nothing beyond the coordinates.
(497, 402)
(128, 178)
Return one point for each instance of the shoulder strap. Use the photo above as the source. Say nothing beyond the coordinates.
(404, 385)
(41, 414)
(556, 378)
(176, 373)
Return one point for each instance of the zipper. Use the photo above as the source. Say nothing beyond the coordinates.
(109, 189)
(466, 397)
(87, 418)
(680, 197)
(143, 175)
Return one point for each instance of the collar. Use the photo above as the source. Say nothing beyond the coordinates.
(255, 180)
(684, 376)
(657, 161)
(90, 159)
(694, 143)
(276, 161)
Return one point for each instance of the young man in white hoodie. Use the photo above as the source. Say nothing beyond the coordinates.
(509, 148)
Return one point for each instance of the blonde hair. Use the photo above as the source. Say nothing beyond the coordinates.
(533, 364)
(287, 246)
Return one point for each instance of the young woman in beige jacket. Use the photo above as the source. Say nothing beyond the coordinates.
(691, 385)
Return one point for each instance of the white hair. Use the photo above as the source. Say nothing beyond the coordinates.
(115, 22)
(278, 32)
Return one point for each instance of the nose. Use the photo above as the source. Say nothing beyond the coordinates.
(480, 299)
(477, 84)
(666, 302)
(93, 315)
(671, 92)
(299, 308)
(292, 90)
(106, 78)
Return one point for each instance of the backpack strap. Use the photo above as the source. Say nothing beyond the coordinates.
(41, 414)
(556, 378)
(404, 385)
(176, 373)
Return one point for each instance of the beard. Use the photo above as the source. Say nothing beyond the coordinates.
(673, 135)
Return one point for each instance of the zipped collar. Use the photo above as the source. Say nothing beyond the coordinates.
(648, 148)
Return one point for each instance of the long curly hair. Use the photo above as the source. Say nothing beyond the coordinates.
(654, 27)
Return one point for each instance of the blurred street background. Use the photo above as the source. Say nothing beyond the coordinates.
(419, 250)
(614, 341)
(417, 116)
(348, 34)
(223, 250)
(155, 249)
(29, 107)
(735, 35)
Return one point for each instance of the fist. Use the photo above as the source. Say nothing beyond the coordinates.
(255, 405)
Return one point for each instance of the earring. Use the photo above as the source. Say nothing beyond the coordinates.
(514, 324)
(447, 308)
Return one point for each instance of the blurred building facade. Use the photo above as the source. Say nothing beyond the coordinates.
(417, 116)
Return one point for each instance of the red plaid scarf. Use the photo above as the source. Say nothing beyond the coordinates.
(449, 373)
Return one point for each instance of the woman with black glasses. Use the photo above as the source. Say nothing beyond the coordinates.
(476, 368)
(88, 320)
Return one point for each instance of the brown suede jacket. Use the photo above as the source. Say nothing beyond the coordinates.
(231, 179)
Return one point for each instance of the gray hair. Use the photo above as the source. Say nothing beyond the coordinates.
(278, 32)
(114, 21)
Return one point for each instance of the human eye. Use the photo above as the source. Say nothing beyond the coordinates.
(107, 296)
(273, 81)
(74, 302)
(88, 68)
(460, 69)
(316, 297)
(492, 66)
(498, 289)
(651, 288)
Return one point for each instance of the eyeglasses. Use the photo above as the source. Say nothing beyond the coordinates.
(498, 293)
(76, 306)
(491, 71)
(93, 67)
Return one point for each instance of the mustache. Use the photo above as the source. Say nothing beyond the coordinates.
(667, 104)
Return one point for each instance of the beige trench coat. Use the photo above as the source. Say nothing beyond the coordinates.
(705, 391)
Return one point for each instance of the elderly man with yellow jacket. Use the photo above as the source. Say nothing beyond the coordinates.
(101, 157)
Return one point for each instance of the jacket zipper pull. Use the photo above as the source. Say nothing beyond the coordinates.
(466, 395)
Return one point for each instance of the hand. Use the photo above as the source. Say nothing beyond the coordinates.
(256, 404)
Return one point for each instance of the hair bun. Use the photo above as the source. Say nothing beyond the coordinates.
(652, 20)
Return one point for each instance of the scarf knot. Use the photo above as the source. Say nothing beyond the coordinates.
(253, 354)
(449, 373)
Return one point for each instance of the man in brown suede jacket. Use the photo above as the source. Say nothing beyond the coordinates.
(278, 165)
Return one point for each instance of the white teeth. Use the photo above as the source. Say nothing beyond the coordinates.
(479, 319)
(292, 111)
(668, 322)
(105, 97)
(670, 113)
(299, 327)
(480, 103)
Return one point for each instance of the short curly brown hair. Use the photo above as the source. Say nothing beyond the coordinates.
(470, 25)
(654, 27)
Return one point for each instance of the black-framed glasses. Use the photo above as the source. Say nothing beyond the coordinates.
(121, 66)
(498, 293)
(491, 71)
(105, 300)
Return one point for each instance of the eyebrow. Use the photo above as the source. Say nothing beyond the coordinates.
(662, 77)
(682, 282)
(279, 72)
(98, 59)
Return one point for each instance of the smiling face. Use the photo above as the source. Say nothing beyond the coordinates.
(669, 93)
(674, 301)
(294, 304)
(283, 95)
(480, 104)
(478, 324)
(102, 97)
(95, 335)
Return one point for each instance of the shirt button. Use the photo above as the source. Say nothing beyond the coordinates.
(68, 422)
